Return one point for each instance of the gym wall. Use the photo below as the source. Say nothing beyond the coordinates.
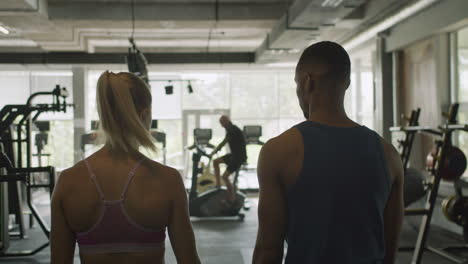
(425, 81)
(418, 89)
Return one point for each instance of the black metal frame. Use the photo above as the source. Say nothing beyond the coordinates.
(196, 157)
(444, 144)
(250, 140)
(407, 143)
(20, 172)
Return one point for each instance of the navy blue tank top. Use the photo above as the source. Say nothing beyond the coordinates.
(336, 207)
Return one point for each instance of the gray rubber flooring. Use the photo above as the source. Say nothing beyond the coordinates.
(231, 242)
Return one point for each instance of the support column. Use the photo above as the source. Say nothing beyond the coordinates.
(79, 99)
(383, 90)
(358, 91)
(396, 56)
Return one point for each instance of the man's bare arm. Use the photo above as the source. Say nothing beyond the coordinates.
(219, 147)
(271, 209)
(394, 210)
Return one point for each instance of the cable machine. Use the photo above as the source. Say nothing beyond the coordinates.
(16, 168)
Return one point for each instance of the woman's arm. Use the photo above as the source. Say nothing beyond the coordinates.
(180, 228)
(62, 239)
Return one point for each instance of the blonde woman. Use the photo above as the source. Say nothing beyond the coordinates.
(116, 204)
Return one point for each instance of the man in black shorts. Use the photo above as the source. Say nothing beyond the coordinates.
(234, 160)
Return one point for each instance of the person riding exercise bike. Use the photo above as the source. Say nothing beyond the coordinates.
(234, 160)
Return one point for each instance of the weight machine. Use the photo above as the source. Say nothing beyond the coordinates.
(436, 169)
(41, 139)
(16, 146)
(209, 203)
(252, 136)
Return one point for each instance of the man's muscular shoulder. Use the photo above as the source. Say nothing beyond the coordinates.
(393, 159)
(284, 147)
(282, 155)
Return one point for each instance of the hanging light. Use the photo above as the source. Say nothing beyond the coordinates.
(169, 88)
(189, 87)
(4, 30)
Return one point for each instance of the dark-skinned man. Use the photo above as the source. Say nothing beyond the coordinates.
(331, 188)
(234, 160)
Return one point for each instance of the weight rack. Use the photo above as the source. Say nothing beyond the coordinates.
(444, 132)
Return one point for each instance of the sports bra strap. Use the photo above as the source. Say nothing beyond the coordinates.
(93, 177)
(129, 179)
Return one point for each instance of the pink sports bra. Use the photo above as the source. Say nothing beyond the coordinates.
(115, 231)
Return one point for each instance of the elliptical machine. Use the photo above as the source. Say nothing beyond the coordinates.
(209, 203)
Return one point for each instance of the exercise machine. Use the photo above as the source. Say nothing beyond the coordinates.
(211, 202)
(41, 140)
(438, 169)
(252, 136)
(415, 181)
(206, 179)
(160, 137)
(16, 144)
(8, 175)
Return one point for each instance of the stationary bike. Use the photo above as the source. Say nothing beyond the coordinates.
(211, 202)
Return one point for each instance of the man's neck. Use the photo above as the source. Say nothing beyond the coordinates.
(330, 116)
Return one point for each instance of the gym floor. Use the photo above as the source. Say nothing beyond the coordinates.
(226, 241)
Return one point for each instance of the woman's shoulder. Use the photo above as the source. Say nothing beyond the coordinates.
(69, 179)
(161, 171)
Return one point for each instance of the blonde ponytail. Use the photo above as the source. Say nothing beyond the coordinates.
(120, 99)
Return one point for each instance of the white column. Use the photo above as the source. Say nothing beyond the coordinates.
(80, 100)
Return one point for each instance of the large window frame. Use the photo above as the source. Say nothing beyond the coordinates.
(460, 138)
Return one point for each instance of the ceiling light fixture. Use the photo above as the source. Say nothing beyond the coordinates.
(189, 87)
(4, 30)
(169, 88)
(331, 3)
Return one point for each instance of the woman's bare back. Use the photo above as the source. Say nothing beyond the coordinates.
(148, 200)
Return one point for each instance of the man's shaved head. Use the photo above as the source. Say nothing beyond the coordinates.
(323, 71)
(225, 121)
(327, 59)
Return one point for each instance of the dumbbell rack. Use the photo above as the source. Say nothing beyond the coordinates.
(445, 134)
(407, 143)
(459, 185)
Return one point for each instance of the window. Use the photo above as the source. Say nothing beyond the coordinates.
(350, 101)
(16, 86)
(366, 101)
(174, 148)
(462, 87)
(166, 106)
(91, 112)
(254, 95)
(19, 85)
(359, 98)
(462, 51)
(210, 91)
(45, 81)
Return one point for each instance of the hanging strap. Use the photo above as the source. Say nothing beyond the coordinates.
(94, 179)
(129, 179)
